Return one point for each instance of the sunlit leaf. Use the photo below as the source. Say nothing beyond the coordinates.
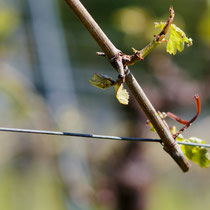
(101, 81)
(121, 94)
(196, 154)
(177, 38)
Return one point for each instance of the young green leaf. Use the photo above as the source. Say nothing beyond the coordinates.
(177, 38)
(104, 82)
(101, 81)
(121, 94)
(196, 154)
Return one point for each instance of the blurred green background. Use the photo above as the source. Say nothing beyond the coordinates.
(46, 59)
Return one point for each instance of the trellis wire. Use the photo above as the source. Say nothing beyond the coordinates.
(95, 136)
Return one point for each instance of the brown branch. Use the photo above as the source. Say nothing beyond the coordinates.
(106, 45)
(170, 145)
(162, 34)
(114, 54)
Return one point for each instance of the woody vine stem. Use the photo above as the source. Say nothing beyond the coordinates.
(120, 62)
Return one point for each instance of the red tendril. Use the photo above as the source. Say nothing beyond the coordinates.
(183, 122)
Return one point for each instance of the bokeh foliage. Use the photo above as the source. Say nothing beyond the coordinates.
(30, 171)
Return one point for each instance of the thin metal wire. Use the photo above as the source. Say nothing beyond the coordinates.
(95, 136)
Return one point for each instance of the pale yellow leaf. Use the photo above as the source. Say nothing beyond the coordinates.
(121, 94)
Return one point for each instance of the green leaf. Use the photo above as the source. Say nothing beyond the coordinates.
(101, 81)
(104, 82)
(198, 155)
(121, 94)
(177, 38)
